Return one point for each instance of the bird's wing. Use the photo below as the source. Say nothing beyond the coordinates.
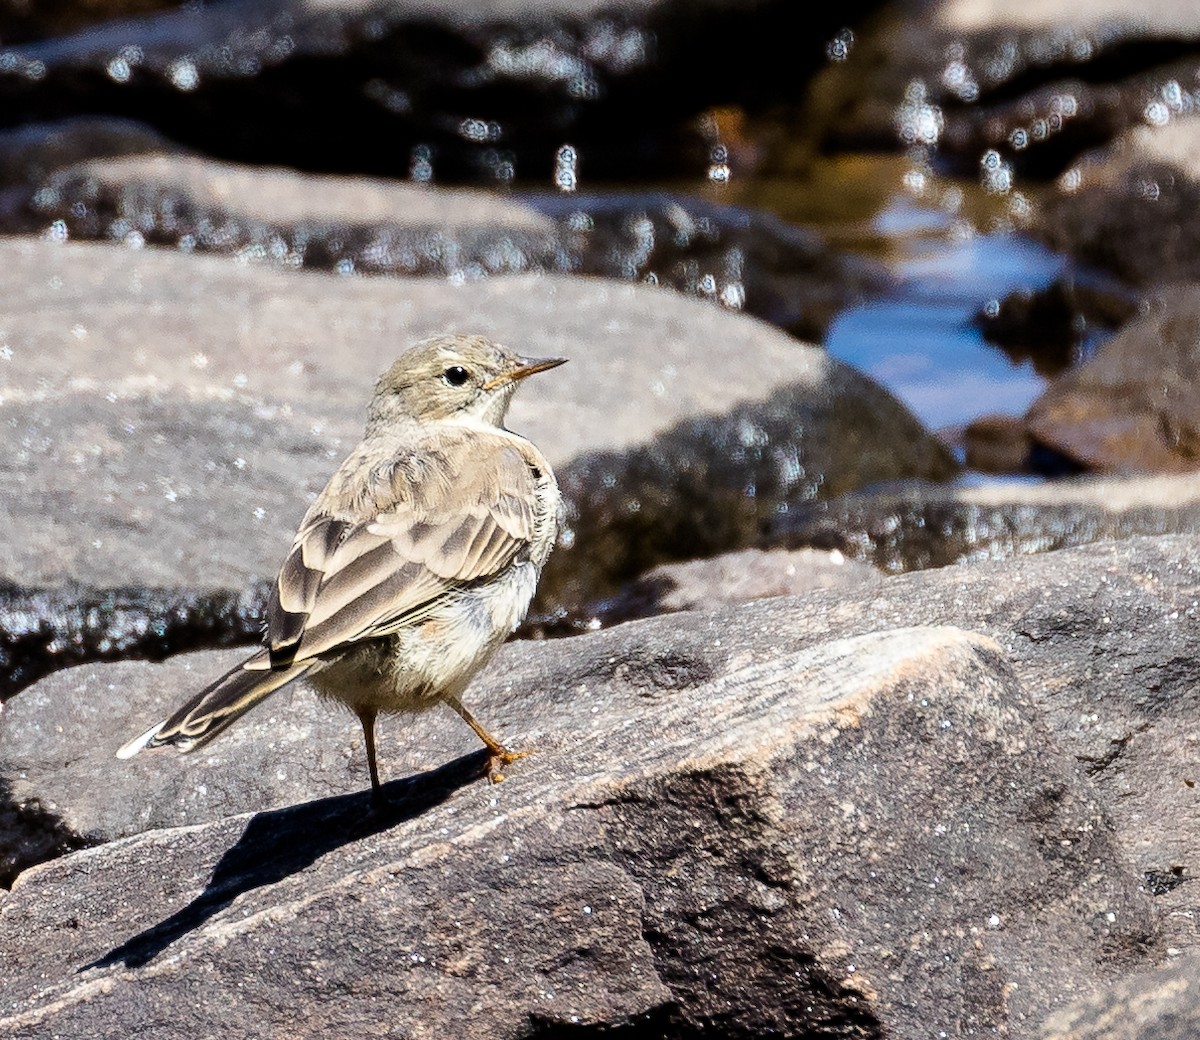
(385, 544)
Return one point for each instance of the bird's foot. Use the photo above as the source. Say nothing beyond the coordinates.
(499, 757)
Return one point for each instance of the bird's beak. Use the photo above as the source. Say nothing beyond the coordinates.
(529, 366)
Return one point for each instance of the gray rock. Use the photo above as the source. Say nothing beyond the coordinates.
(716, 833)
(736, 577)
(169, 417)
(1135, 406)
(917, 526)
(1104, 639)
(1156, 1005)
(739, 258)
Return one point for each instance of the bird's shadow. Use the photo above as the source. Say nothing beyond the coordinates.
(282, 842)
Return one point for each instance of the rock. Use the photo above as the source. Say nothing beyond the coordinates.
(914, 527)
(1156, 1005)
(1131, 208)
(742, 259)
(997, 444)
(733, 578)
(718, 831)
(203, 403)
(1035, 85)
(1135, 406)
(1103, 638)
(457, 91)
(21, 20)
(1056, 327)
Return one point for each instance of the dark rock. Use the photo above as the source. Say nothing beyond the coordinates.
(1157, 1005)
(997, 444)
(42, 630)
(916, 527)
(718, 833)
(744, 259)
(1131, 209)
(479, 91)
(1036, 85)
(1056, 327)
(21, 20)
(175, 443)
(1136, 405)
(716, 482)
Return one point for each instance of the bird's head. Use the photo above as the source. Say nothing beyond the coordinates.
(449, 377)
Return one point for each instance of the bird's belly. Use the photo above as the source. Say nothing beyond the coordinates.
(422, 664)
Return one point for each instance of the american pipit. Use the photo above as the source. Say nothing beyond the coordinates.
(414, 564)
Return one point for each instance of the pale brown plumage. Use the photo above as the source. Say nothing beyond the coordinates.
(416, 561)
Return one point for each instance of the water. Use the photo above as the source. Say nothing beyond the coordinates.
(920, 341)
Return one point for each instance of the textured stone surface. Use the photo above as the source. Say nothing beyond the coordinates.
(738, 258)
(1130, 208)
(726, 834)
(736, 577)
(1154, 1005)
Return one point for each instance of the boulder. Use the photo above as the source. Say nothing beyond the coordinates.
(481, 91)
(1135, 406)
(1130, 208)
(718, 831)
(1103, 640)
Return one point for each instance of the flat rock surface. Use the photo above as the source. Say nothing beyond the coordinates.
(723, 830)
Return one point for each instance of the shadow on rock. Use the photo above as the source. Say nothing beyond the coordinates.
(282, 842)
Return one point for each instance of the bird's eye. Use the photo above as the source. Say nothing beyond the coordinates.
(456, 375)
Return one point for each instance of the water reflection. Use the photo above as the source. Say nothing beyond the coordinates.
(920, 339)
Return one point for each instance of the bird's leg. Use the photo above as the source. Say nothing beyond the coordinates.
(367, 717)
(499, 753)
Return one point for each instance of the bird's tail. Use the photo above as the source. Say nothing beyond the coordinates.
(218, 706)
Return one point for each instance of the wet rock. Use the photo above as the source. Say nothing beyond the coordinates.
(1056, 327)
(743, 259)
(1135, 406)
(718, 830)
(1131, 208)
(452, 90)
(1157, 1005)
(21, 20)
(293, 219)
(169, 417)
(42, 630)
(739, 258)
(733, 578)
(916, 527)
(1035, 85)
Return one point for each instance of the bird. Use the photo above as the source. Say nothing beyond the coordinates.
(412, 566)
